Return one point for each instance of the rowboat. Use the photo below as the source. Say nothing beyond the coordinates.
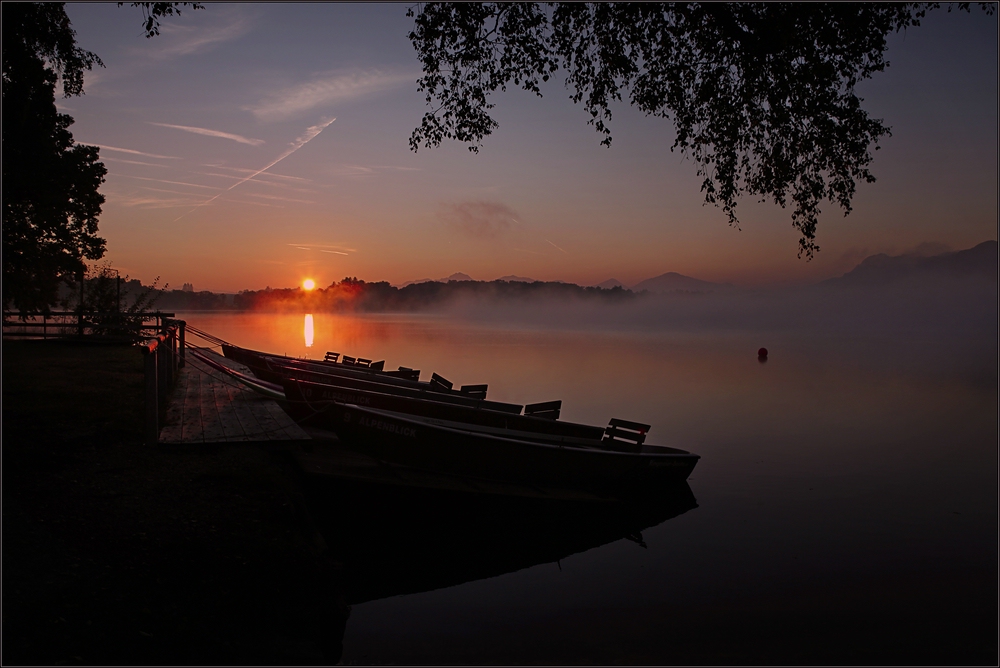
(306, 401)
(273, 367)
(619, 462)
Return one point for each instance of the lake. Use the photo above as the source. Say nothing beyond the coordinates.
(844, 509)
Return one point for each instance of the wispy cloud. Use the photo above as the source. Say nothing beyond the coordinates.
(165, 190)
(132, 162)
(325, 248)
(150, 202)
(176, 183)
(212, 133)
(477, 219)
(303, 139)
(557, 247)
(269, 175)
(130, 151)
(361, 170)
(325, 89)
(281, 199)
(183, 40)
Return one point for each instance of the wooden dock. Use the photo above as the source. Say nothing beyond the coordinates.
(207, 406)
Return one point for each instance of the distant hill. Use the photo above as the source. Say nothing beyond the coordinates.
(516, 279)
(674, 282)
(978, 261)
(610, 283)
(457, 276)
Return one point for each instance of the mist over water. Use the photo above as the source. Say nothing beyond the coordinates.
(847, 486)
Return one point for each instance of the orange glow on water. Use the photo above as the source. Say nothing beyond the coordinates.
(309, 284)
(308, 330)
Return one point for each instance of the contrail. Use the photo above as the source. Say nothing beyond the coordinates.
(557, 247)
(304, 139)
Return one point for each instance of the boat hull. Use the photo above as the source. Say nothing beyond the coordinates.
(410, 442)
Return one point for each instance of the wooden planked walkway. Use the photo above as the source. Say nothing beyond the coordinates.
(207, 406)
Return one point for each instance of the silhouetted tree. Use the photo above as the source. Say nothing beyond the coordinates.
(762, 94)
(50, 184)
(50, 197)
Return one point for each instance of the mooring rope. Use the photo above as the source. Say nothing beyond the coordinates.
(211, 338)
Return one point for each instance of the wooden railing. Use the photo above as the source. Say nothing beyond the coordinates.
(65, 324)
(163, 356)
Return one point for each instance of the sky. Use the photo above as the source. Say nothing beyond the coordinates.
(255, 145)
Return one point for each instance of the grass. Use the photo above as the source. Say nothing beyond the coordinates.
(117, 553)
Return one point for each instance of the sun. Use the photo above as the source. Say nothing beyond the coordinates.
(309, 284)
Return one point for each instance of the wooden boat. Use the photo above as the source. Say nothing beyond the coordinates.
(307, 403)
(271, 368)
(284, 374)
(619, 462)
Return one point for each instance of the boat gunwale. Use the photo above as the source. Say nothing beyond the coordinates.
(679, 454)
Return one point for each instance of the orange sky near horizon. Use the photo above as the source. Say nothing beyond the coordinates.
(247, 90)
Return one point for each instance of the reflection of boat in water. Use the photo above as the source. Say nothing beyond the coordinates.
(395, 541)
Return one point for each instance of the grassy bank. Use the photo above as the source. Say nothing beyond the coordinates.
(117, 553)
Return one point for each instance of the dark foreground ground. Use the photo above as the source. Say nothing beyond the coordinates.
(116, 553)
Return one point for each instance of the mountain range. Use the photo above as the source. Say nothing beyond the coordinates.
(981, 260)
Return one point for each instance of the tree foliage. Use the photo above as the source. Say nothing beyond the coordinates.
(762, 95)
(50, 184)
(152, 12)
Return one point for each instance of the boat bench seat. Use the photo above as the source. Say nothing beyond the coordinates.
(547, 409)
(440, 383)
(477, 391)
(331, 357)
(406, 372)
(624, 435)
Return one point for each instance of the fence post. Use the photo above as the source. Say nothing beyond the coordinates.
(161, 370)
(151, 425)
(173, 354)
(180, 360)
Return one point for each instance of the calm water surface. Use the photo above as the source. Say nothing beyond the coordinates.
(846, 500)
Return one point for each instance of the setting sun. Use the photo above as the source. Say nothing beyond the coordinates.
(309, 284)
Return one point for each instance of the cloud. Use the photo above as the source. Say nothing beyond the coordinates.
(149, 202)
(325, 89)
(132, 162)
(183, 40)
(477, 219)
(335, 249)
(211, 133)
(361, 170)
(556, 247)
(270, 175)
(128, 150)
(176, 183)
(281, 199)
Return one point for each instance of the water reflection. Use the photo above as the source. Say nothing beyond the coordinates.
(308, 330)
(395, 541)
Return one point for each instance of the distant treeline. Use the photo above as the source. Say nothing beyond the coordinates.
(352, 294)
(188, 300)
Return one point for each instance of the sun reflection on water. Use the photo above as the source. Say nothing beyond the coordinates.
(307, 329)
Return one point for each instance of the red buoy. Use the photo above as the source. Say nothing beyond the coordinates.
(762, 352)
